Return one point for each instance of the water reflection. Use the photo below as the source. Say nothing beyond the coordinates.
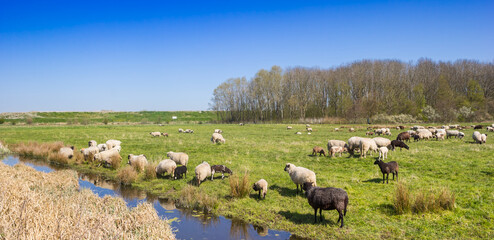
(189, 223)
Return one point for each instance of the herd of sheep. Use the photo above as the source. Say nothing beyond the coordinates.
(318, 197)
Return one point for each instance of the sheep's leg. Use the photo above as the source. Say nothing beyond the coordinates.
(212, 175)
(393, 176)
(387, 178)
(396, 175)
(222, 175)
(320, 214)
(259, 194)
(383, 177)
(315, 215)
(341, 215)
(297, 187)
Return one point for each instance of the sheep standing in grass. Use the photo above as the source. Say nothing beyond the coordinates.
(112, 143)
(164, 134)
(353, 143)
(336, 129)
(180, 172)
(369, 133)
(478, 138)
(404, 136)
(102, 147)
(461, 135)
(90, 151)
(261, 186)
(309, 129)
(67, 152)
(92, 143)
(300, 175)
(166, 166)
(317, 150)
(298, 133)
(326, 199)
(105, 157)
(383, 153)
(452, 133)
(382, 142)
(203, 171)
(155, 134)
(367, 144)
(138, 162)
(387, 168)
(440, 136)
(288, 127)
(220, 169)
(178, 157)
(217, 138)
(398, 143)
(351, 130)
(337, 149)
(180, 130)
(118, 148)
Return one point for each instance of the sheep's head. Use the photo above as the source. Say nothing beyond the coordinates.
(254, 187)
(168, 154)
(288, 167)
(72, 147)
(307, 186)
(377, 161)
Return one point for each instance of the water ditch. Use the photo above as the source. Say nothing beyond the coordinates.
(189, 224)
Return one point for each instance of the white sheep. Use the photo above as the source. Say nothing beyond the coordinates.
(309, 129)
(137, 161)
(483, 137)
(155, 134)
(89, 151)
(298, 133)
(336, 149)
(383, 152)
(180, 130)
(67, 152)
(339, 143)
(440, 136)
(445, 127)
(336, 129)
(112, 143)
(424, 134)
(203, 171)
(218, 131)
(92, 143)
(105, 157)
(178, 157)
(461, 135)
(490, 129)
(307, 125)
(365, 145)
(300, 175)
(288, 127)
(261, 186)
(217, 138)
(353, 143)
(382, 142)
(166, 166)
(118, 148)
(415, 128)
(451, 133)
(351, 130)
(102, 147)
(477, 137)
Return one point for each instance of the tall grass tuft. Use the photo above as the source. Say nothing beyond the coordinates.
(446, 199)
(115, 161)
(150, 171)
(422, 201)
(127, 175)
(239, 188)
(192, 197)
(402, 200)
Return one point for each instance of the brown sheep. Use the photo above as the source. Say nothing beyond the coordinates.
(404, 136)
(317, 150)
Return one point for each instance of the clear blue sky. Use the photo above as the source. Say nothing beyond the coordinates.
(157, 55)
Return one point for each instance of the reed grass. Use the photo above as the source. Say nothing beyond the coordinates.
(239, 186)
(127, 175)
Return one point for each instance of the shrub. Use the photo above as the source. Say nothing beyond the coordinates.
(127, 175)
(29, 120)
(105, 121)
(239, 188)
(58, 158)
(2, 121)
(402, 118)
(150, 171)
(144, 121)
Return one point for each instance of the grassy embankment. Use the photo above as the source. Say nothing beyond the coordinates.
(429, 167)
(37, 205)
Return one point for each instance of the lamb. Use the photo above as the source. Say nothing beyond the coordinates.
(180, 130)
(353, 143)
(398, 143)
(387, 168)
(365, 145)
(351, 130)
(178, 157)
(164, 134)
(326, 199)
(440, 136)
(261, 186)
(298, 133)
(369, 133)
(105, 157)
(203, 171)
(337, 149)
(241, 124)
(309, 129)
(383, 151)
(218, 131)
(288, 127)
(166, 166)
(90, 151)
(112, 143)
(404, 136)
(92, 143)
(382, 142)
(217, 138)
(155, 134)
(67, 152)
(451, 133)
(332, 143)
(490, 129)
(180, 172)
(139, 162)
(102, 147)
(317, 150)
(336, 129)
(220, 169)
(300, 175)
(307, 125)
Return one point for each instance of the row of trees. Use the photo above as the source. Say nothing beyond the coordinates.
(433, 91)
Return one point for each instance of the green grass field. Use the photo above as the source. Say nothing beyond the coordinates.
(262, 150)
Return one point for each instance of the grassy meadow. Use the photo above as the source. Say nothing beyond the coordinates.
(428, 168)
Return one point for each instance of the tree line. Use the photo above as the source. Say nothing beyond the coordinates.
(427, 90)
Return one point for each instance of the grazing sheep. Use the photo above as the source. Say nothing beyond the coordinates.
(415, 128)
(217, 138)
(112, 143)
(445, 127)
(307, 125)
(67, 152)
(180, 172)
(478, 127)
(404, 136)
(351, 129)
(241, 124)
(461, 135)
(483, 137)
(317, 150)
(402, 127)
(166, 166)
(451, 133)
(298, 133)
(382, 142)
(118, 148)
(87, 152)
(416, 138)
(387, 168)
(288, 127)
(383, 151)
(137, 161)
(490, 129)
(220, 169)
(300, 175)
(367, 144)
(353, 143)
(178, 157)
(155, 134)
(309, 129)
(424, 134)
(105, 157)
(369, 133)
(398, 143)
(336, 129)
(203, 171)
(337, 149)
(340, 143)
(180, 130)
(92, 143)
(102, 147)
(440, 136)
(164, 134)
(261, 186)
(477, 137)
(326, 199)
(189, 131)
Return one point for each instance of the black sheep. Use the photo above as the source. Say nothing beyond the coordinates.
(398, 143)
(220, 168)
(416, 138)
(387, 168)
(179, 171)
(326, 199)
(477, 127)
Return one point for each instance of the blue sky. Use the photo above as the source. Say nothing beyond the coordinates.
(159, 55)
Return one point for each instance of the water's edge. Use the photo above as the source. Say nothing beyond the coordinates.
(188, 224)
